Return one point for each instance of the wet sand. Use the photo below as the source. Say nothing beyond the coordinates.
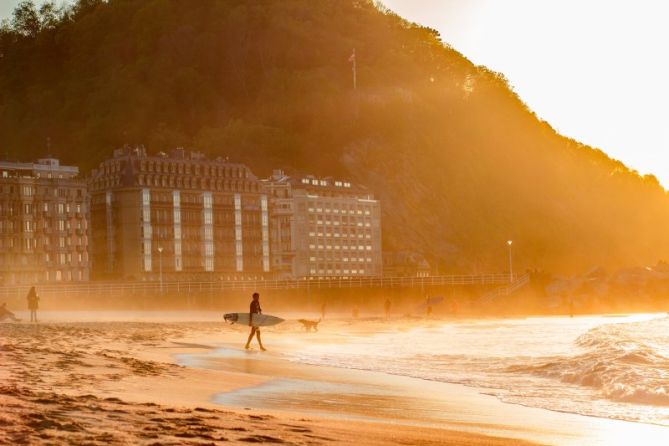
(148, 382)
(102, 383)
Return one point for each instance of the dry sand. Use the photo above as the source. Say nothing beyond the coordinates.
(159, 381)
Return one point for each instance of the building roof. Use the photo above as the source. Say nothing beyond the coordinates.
(42, 167)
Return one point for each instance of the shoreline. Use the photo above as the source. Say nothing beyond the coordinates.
(117, 383)
(183, 370)
(460, 407)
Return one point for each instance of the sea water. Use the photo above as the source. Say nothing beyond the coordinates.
(613, 367)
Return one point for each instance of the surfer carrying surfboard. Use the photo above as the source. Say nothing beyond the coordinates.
(255, 330)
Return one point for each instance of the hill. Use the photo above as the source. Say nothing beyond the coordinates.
(459, 162)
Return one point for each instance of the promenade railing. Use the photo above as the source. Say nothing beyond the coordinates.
(99, 288)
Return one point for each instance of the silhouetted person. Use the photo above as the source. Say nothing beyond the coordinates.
(429, 306)
(571, 307)
(254, 309)
(33, 303)
(323, 308)
(386, 307)
(6, 314)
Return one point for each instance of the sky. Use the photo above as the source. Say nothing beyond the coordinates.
(596, 70)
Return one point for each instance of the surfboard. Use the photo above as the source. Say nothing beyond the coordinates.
(259, 320)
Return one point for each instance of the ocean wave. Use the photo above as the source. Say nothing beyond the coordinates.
(620, 361)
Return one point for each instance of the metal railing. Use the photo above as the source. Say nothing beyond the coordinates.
(96, 288)
(518, 283)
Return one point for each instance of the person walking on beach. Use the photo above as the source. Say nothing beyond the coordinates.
(386, 307)
(33, 303)
(6, 314)
(254, 309)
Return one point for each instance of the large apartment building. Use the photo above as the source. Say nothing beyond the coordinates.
(43, 223)
(323, 228)
(179, 216)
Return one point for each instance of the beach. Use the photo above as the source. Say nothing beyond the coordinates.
(119, 378)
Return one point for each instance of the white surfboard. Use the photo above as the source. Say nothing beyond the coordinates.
(259, 320)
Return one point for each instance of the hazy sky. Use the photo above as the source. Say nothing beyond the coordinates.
(597, 70)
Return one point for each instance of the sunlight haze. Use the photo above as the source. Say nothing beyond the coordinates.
(595, 70)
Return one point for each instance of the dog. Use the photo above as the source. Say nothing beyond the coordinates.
(309, 325)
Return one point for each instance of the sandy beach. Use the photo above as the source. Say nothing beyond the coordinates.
(147, 379)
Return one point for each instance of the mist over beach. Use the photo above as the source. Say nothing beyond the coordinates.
(332, 222)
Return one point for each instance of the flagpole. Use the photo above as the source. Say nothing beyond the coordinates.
(355, 77)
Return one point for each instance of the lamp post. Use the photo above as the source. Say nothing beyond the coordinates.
(160, 262)
(510, 242)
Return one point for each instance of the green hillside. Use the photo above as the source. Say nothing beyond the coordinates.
(459, 162)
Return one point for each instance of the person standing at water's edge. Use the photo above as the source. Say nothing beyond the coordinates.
(254, 309)
(33, 303)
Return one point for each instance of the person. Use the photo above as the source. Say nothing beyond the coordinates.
(571, 306)
(323, 308)
(254, 309)
(386, 307)
(6, 314)
(33, 303)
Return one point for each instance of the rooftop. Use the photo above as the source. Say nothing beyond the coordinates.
(48, 167)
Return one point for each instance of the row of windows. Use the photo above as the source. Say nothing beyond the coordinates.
(338, 247)
(358, 211)
(32, 208)
(30, 243)
(331, 272)
(195, 168)
(345, 237)
(31, 191)
(337, 223)
(316, 182)
(344, 259)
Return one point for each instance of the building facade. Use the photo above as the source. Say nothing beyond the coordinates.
(405, 264)
(177, 216)
(324, 228)
(43, 223)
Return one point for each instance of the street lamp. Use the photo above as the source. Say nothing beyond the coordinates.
(510, 242)
(160, 257)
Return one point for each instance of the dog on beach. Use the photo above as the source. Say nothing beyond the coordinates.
(309, 325)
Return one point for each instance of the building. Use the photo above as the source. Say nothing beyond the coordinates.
(323, 228)
(177, 216)
(405, 264)
(43, 223)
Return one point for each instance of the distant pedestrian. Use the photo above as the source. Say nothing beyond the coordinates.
(33, 303)
(571, 306)
(386, 307)
(323, 308)
(6, 314)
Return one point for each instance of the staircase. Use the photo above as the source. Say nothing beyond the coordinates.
(518, 283)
